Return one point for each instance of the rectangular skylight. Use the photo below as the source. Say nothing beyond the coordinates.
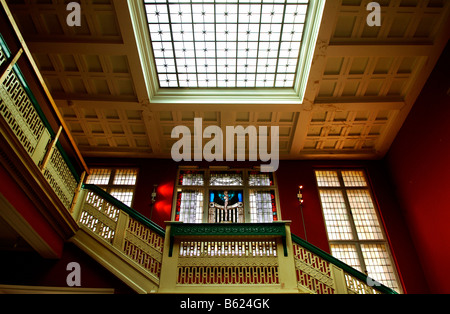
(201, 44)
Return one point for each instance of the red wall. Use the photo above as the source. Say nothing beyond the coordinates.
(25, 207)
(294, 173)
(290, 175)
(419, 163)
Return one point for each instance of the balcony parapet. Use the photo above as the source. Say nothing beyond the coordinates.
(211, 230)
(119, 238)
(209, 258)
(228, 258)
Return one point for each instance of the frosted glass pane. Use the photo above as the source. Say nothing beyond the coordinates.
(250, 33)
(335, 214)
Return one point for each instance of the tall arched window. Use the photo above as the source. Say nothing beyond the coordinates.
(355, 233)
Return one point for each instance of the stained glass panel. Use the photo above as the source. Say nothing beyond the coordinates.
(189, 206)
(226, 178)
(354, 178)
(226, 206)
(191, 177)
(260, 179)
(262, 206)
(124, 195)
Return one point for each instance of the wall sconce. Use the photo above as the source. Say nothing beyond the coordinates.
(300, 195)
(300, 199)
(153, 195)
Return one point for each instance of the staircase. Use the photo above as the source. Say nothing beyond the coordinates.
(120, 239)
(207, 258)
(184, 258)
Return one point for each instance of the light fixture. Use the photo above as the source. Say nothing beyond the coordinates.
(300, 199)
(153, 195)
(300, 195)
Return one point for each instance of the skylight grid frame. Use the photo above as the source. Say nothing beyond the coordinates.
(182, 55)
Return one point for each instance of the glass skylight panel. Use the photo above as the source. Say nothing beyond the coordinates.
(226, 43)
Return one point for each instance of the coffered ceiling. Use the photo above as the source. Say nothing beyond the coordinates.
(363, 80)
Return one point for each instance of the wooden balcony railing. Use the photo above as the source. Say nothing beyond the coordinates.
(128, 232)
(23, 115)
(260, 257)
(321, 273)
(235, 257)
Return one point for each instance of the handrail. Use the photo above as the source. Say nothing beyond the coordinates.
(38, 109)
(355, 273)
(130, 211)
(27, 122)
(337, 277)
(276, 228)
(54, 107)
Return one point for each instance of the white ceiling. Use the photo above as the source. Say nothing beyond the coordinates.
(363, 82)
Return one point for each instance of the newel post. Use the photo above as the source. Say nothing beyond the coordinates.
(287, 274)
(168, 278)
(340, 286)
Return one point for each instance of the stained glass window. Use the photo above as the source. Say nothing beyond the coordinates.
(226, 196)
(354, 230)
(190, 177)
(231, 43)
(262, 206)
(227, 178)
(189, 207)
(260, 178)
(226, 206)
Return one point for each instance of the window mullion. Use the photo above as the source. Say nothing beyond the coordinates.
(246, 197)
(347, 206)
(111, 178)
(205, 192)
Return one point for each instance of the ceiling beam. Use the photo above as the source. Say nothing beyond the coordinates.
(376, 49)
(73, 47)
